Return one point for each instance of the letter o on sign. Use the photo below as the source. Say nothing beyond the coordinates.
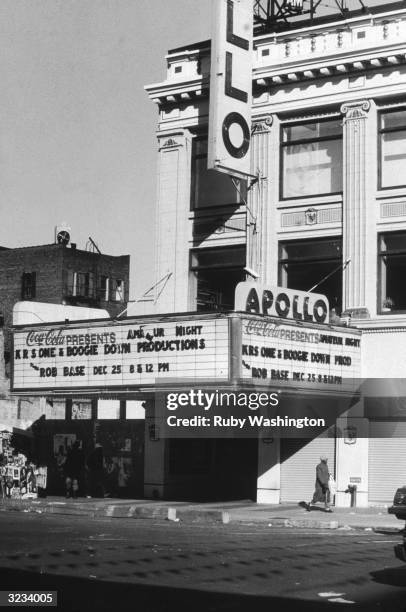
(229, 121)
(282, 305)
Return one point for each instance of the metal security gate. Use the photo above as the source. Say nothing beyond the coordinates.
(387, 459)
(299, 458)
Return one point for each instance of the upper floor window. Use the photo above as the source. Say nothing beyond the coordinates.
(313, 265)
(311, 159)
(392, 144)
(83, 284)
(104, 288)
(210, 187)
(117, 290)
(217, 272)
(391, 271)
(28, 285)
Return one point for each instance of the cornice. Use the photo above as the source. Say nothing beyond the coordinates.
(177, 92)
(340, 65)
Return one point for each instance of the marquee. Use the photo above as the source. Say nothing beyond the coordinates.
(179, 350)
(119, 355)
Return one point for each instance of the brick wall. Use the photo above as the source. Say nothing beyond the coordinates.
(45, 261)
(52, 265)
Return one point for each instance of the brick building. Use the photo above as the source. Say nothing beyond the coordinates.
(61, 274)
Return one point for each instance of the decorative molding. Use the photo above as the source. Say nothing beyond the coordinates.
(314, 116)
(261, 124)
(170, 143)
(217, 227)
(312, 216)
(330, 215)
(355, 110)
(393, 209)
(387, 105)
(352, 66)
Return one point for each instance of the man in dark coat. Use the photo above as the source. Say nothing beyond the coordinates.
(95, 464)
(322, 491)
(73, 469)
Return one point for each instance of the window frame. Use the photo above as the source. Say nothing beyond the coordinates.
(193, 199)
(113, 290)
(220, 265)
(89, 285)
(283, 145)
(307, 260)
(29, 285)
(194, 269)
(381, 132)
(380, 255)
(104, 292)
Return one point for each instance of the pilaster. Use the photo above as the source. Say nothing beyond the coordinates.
(258, 196)
(172, 223)
(269, 471)
(356, 223)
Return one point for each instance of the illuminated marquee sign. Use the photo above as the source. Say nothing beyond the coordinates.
(120, 355)
(281, 302)
(275, 351)
(230, 87)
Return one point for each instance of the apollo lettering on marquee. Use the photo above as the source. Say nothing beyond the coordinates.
(281, 302)
(230, 87)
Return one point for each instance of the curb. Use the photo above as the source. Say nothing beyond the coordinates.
(198, 516)
(133, 511)
(303, 523)
(187, 515)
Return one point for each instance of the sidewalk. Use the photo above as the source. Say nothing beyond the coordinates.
(220, 512)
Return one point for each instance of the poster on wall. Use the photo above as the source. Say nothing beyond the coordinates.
(81, 410)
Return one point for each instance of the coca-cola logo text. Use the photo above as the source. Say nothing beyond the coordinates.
(51, 337)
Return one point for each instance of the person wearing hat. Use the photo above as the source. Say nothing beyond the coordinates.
(321, 491)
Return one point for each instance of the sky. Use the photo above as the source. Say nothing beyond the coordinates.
(77, 130)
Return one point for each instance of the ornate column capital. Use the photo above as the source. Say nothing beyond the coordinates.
(171, 140)
(261, 124)
(355, 110)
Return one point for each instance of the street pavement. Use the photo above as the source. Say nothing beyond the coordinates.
(293, 515)
(159, 565)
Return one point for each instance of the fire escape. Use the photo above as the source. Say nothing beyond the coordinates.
(269, 13)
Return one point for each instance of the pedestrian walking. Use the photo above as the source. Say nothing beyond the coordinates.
(322, 490)
(3, 476)
(73, 469)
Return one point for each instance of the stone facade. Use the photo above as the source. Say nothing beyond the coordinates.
(351, 71)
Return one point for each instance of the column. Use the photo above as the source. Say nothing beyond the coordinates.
(356, 222)
(172, 223)
(258, 196)
(269, 471)
(352, 460)
(155, 455)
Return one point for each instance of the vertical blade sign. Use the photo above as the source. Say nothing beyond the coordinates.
(231, 87)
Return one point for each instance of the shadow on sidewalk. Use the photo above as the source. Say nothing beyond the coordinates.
(393, 576)
(312, 508)
(79, 594)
